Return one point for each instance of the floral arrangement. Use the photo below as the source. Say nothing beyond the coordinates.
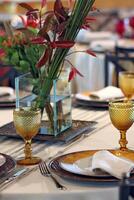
(42, 45)
(16, 50)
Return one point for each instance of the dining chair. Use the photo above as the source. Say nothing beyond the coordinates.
(126, 51)
(126, 188)
(7, 75)
(120, 63)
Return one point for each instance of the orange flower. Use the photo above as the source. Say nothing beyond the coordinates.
(4, 43)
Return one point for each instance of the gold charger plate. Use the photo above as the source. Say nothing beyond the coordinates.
(70, 158)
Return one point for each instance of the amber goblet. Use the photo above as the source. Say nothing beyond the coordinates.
(27, 123)
(126, 83)
(122, 117)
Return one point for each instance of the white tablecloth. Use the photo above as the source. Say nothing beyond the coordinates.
(92, 68)
(34, 184)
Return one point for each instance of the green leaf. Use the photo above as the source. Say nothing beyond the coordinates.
(22, 53)
(24, 66)
(15, 58)
(1, 40)
(33, 30)
(30, 55)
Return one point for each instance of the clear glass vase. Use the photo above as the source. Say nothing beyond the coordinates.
(57, 115)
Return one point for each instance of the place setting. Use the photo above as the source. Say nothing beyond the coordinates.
(26, 124)
(92, 166)
(99, 98)
(102, 97)
(106, 165)
(12, 168)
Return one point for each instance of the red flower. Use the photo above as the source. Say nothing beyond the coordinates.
(32, 23)
(131, 22)
(2, 53)
(120, 27)
(73, 73)
(43, 3)
(2, 33)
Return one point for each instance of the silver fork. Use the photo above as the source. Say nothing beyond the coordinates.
(46, 172)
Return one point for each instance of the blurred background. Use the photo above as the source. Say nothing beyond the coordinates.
(113, 27)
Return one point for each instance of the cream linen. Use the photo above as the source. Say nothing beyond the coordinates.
(6, 91)
(107, 93)
(112, 164)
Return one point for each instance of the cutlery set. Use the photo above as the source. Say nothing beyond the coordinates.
(44, 169)
(22, 171)
(18, 173)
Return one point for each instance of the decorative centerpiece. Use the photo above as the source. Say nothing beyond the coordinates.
(41, 47)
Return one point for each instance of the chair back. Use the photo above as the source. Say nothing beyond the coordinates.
(120, 63)
(126, 188)
(124, 51)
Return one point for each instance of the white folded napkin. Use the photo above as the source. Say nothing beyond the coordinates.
(7, 91)
(108, 92)
(2, 160)
(111, 164)
(106, 162)
(86, 36)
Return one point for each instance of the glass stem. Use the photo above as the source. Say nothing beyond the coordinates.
(123, 142)
(28, 149)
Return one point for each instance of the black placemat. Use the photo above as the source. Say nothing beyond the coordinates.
(78, 128)
(91, 103)
(7, 101)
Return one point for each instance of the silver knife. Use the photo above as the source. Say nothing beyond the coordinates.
(5, 181)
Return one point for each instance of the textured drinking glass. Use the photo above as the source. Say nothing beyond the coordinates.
(126, 83)
(27, 123)
(122, 117)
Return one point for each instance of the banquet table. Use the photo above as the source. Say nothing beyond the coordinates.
(35, 186)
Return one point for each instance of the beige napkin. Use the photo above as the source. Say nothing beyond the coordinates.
(108, 92)
(109, 163)
(2, 160)
(7, 91)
